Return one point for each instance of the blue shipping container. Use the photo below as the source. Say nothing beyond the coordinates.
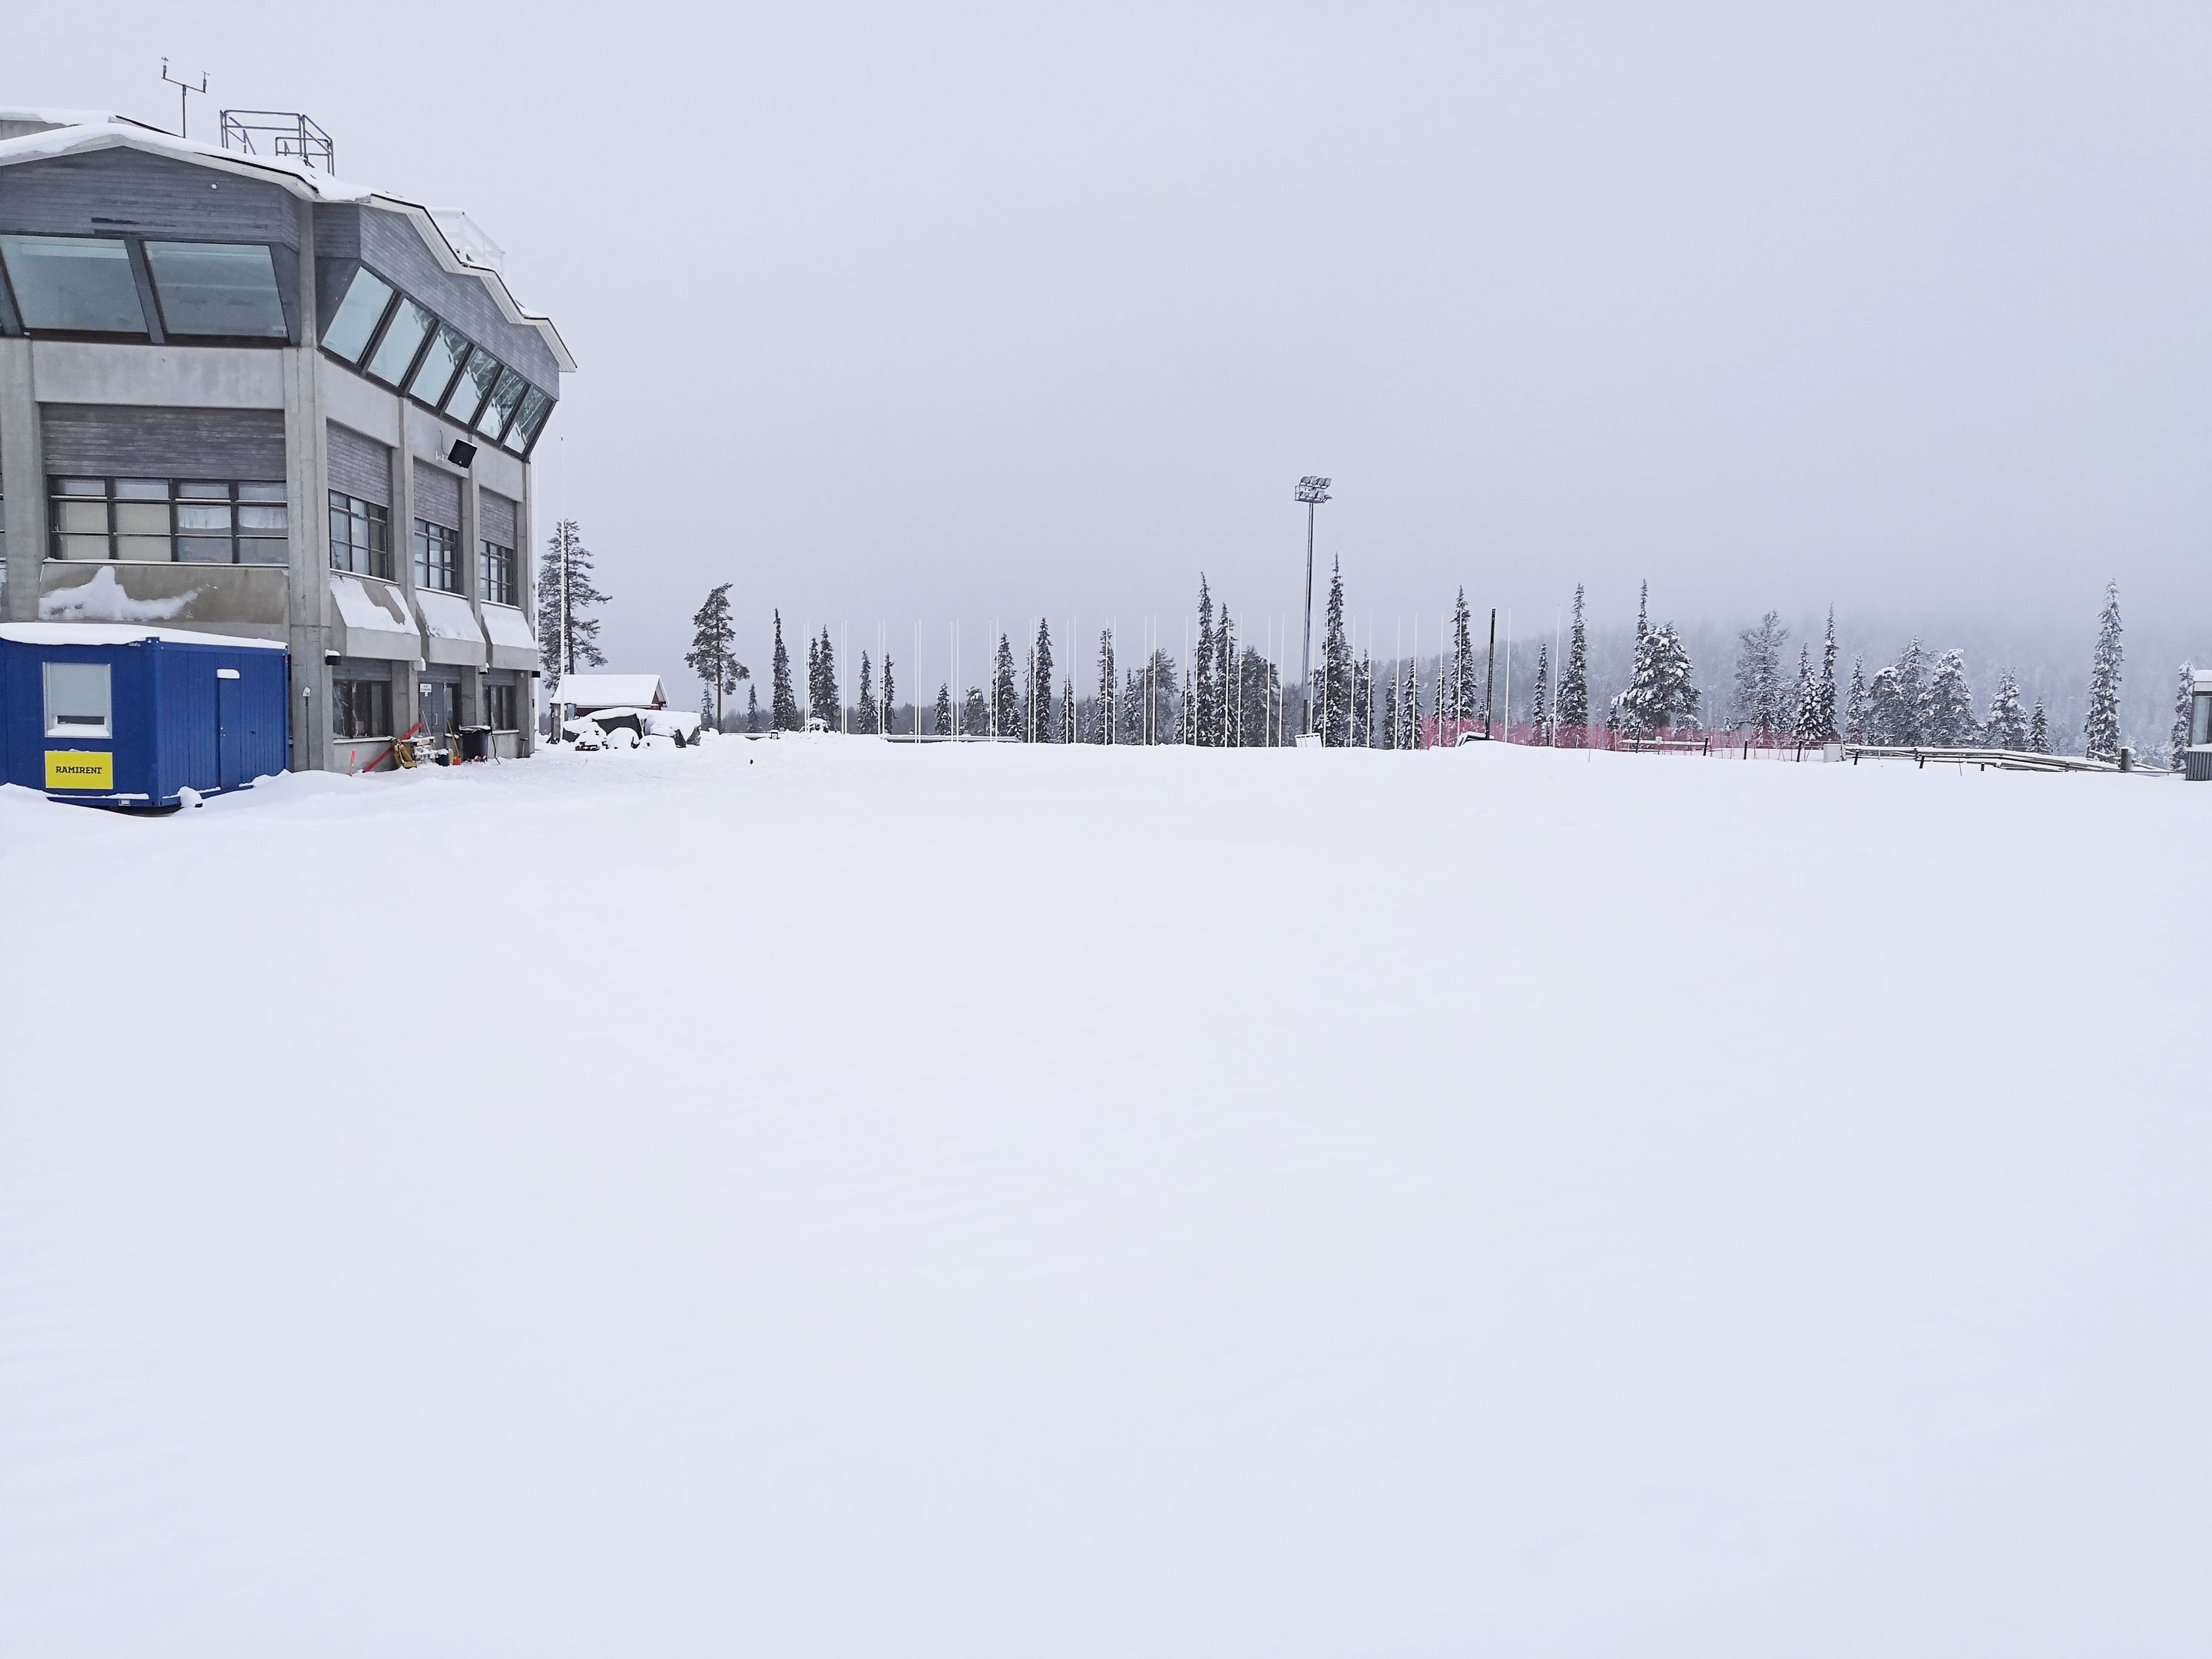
(126, 716)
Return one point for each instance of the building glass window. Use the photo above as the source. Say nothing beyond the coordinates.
(227, 289)
(536, 406)
(437, 557)
(77, 700)
(361, 708)
(73, 284)
(156, 520)
(499, 706)
(354, 324)
(448, 350)
(500, 409)
(496, 574)
(360, 537)
(473, 387)
(403, 336)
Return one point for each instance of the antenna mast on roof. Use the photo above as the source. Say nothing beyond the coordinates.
(185, 88)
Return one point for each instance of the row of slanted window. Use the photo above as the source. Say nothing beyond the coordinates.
(362, 708)
(360, 541)
(394, 339)
(90, 285)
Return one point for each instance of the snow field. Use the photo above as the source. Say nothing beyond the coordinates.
(865, 1200)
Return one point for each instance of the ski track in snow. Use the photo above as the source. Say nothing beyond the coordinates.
(857, 1199)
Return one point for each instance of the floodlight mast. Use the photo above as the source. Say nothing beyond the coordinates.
(1313, 491)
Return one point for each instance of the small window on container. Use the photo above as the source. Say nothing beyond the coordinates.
(77, 701)
(225, 289)
(355, 323)
(2200, 719)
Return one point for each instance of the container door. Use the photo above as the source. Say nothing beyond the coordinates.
(229, 729)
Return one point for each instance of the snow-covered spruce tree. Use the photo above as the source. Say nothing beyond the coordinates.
(1068, 731)
(782, 702)
(1256, 685)
(1390, 711)
(943, 726)
(2178, 739)
(1037, 705)
(1333, 707)
(1854, 709)
(1804, 700)
(1540, 695)
(1107, 729)
(1758, 706)
(1409, 708)
(1950, 717)
(1206, 689)
(2007, 726)
(975, 714)
(864, 709)
(1224, 680)
(1821, 725)
(887, 698)
(2102, 734)
(752, 708)
(2039, 731)
(1006, 695)
(1908, 714)
(1465, 704)
(1663, 695)
(712, 656)
(822, 681)
(1574, 682)
(568, 634)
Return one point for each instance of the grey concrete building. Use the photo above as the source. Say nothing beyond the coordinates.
(241, 396)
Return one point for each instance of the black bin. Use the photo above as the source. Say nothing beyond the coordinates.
(476, 743)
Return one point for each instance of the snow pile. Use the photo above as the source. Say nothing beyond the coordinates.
(100, 597)
(1107, 1202)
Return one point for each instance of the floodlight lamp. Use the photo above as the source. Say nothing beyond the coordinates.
(1313, 490)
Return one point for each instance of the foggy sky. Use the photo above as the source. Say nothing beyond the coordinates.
(889, 315)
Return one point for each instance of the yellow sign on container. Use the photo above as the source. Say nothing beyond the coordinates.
(79, 768)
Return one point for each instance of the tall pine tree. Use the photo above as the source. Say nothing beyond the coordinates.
(1574, 682)
(1206, 689)
(1759, 676)
(944, 725)
(2039, 731)
(1542, 695)
(864, 708)
(887, 700)
(1109, 686)
(1855, 710)
(1005, 696)
(1335, 705)
(712, 657)
(567, 634)
(1822, 725)
(783, 703)
(2101, 735)
(2184, 698)
(1462, 689)
(1037, 725)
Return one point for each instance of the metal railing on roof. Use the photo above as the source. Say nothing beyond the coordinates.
(287, 133)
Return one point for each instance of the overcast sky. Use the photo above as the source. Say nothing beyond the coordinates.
(892, 314)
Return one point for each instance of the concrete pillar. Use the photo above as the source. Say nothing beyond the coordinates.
(407, 693)
(23, 477)
(308, 630)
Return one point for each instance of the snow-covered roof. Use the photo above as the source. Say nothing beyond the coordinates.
(76, 132)
(612, 691)
(121, 633)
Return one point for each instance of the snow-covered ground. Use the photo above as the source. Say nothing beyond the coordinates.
(987, 1201)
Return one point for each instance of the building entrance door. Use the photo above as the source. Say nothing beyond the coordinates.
(438, 709)
(229, 736)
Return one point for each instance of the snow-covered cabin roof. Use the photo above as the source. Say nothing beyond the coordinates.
(45, 133)
(589, 691)
(121, 633)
